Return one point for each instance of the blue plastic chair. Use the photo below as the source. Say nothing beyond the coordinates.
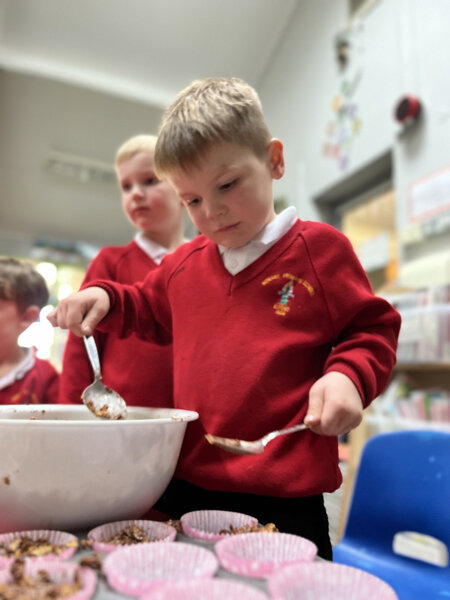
(402, 484)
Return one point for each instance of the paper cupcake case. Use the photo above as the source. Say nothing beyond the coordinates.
(59, 572)
(260, 554)
(56, 538)
(327, 581)
(206, 589)
(139, 569)
(155, 531)
(206, 525)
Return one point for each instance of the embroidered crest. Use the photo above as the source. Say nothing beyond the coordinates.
(282, 306)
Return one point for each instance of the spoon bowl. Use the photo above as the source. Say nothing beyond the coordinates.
(236, 446)
(100, 399)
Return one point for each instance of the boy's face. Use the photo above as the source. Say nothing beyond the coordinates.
(12, 323)
(151, 205)
(229, 195)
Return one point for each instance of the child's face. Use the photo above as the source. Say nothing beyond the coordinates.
(229, 195)
(12, 323)
(151, 205)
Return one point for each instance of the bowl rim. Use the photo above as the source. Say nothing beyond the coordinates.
(175, 415)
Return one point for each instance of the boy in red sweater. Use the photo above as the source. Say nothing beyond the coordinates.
(24, 378)
(272, 318)
(139, 370)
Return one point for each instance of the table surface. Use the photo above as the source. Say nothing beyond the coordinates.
(105, 592)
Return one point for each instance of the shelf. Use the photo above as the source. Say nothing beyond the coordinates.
(422, 366)
(397, 422)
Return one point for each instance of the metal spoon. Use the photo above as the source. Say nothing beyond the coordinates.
(101, 400)
(243, 447)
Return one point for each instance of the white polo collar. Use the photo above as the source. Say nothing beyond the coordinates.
(237, 259)
(19, 371)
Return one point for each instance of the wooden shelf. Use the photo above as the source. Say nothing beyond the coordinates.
(422, 366)
(426, 375)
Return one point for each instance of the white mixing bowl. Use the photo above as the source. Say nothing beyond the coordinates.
(63, 468)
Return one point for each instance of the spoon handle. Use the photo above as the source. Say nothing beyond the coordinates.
(91, 348)
(273, 434)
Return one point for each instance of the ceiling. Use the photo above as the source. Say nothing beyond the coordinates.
(78, 77)
(145, 50)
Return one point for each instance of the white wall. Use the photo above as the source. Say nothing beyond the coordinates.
(398, 47)
(38, 116)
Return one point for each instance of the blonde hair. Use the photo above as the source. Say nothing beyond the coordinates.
(209, 111)
(134, 145)
(21, 283)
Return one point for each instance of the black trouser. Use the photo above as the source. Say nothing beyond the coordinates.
(306, 516)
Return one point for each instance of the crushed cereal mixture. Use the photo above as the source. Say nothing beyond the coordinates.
(133, 534)
(86, 544)
(25, 546)
(23, 587)
(101, 412)
(268, 528)
(176, 524)
(93, 561)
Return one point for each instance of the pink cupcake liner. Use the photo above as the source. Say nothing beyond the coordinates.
(59, 572)
(155, 530)
(57, 538)
(260, 554)
(323, 580)
(206, 525)
(136, 570)
(205, 589)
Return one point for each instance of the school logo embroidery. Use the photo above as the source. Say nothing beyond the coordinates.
(286, 292)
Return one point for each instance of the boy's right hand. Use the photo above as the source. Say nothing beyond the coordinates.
(82, 311)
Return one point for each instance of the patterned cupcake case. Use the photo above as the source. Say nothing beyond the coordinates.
(327, 581)
(205, 589)
(136, 570)
(50, 578)
(36, 544)
(111, 536)
(260, 554)
(214, 525)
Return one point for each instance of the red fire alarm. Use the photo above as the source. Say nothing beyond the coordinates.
(407, 110)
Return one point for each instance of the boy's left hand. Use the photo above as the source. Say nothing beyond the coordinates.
(335, 406)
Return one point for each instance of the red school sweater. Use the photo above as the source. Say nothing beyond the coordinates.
(140, 371)
(248, 347)
(38, 386)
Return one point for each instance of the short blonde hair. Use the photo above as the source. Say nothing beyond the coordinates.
(134, 145)
(209, 111)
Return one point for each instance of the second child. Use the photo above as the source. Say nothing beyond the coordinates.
(140, 371)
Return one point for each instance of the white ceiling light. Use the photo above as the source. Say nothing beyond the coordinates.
(80, 168)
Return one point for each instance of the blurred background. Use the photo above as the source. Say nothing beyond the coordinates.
(357, 90)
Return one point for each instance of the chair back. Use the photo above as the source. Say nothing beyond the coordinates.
(403, 484)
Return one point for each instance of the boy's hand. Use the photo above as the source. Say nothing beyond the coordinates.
(335, 405)
(82, 311)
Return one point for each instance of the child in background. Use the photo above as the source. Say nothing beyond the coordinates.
(141, 372)
(24, 378)
(273, 320)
